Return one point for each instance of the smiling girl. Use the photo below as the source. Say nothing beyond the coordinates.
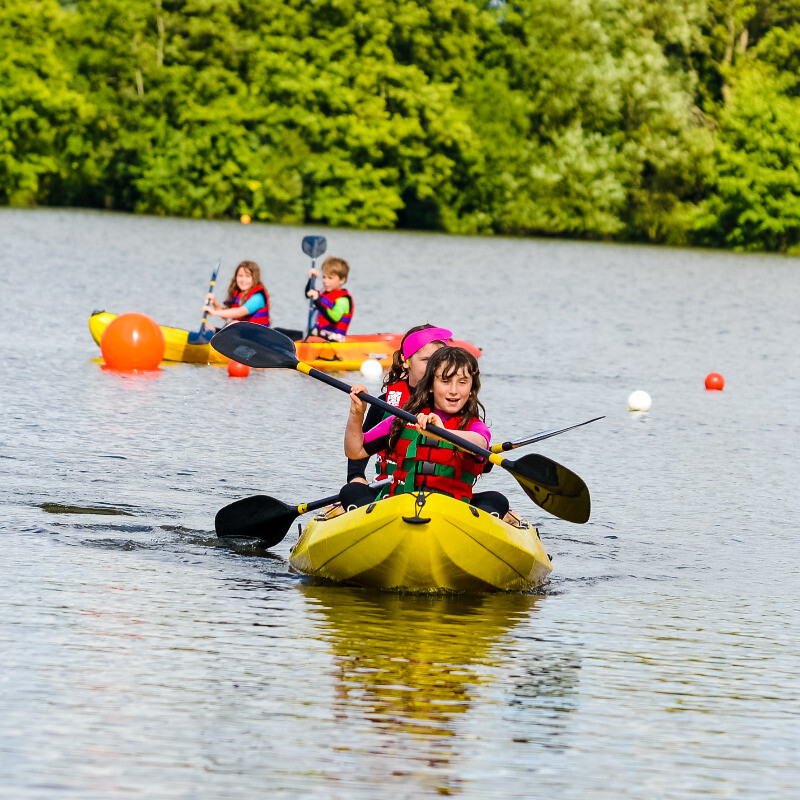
(247, 299)
(447, 396)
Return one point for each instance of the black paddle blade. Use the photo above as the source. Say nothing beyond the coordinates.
(314, 246)
(256, 345)
(552, 487)
(259, 517)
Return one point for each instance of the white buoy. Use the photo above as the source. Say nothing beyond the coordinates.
(371, 369)
(639, 401)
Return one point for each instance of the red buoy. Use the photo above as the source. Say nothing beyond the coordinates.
(715, 381)
(237, 370)
(132, 342)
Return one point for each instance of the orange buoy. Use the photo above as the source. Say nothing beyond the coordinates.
(237, 370)
(245, 218)
(133, 342)
(715, 381)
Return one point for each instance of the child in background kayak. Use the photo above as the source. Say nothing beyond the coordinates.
(334, 305)
(447, 396)
(408, 367)
(247, 299)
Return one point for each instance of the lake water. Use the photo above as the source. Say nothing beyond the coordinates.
(139, 655)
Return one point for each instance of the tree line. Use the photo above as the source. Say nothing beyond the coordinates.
(674, 122)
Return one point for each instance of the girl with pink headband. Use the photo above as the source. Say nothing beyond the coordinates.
(408, 367)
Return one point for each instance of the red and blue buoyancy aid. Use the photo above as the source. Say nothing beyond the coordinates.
(239, 298)
(397, 395)
(434, 465)
(326, 327)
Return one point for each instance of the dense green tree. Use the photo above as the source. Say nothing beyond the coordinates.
(607, 142)
(42, 119)
(593, 118)
(754, 189)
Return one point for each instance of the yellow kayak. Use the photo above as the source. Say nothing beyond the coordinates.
(347, 356)
(325, 356)
(422, 542)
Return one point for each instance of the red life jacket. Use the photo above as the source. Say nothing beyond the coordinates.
(397, 395)
(433, 465)
(239, 298)
(327, 327)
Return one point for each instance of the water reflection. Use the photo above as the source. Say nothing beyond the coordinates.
(411, 666)
(412, 663)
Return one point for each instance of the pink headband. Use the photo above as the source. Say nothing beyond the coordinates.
(416, 341)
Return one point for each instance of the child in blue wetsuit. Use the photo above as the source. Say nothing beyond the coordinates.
(247, 299)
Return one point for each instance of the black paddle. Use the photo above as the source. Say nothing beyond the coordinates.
(313, 247)
(265, 517)
(203, 336)
(551, 486)
(504, 447)
(262, 517)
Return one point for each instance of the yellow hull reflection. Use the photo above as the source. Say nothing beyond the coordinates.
(413, 663)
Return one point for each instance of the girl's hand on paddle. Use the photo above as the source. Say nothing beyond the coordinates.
(313, 273)
(357, 405)
(312, 293)
(424, 419)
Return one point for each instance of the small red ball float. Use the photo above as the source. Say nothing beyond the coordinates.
(237, 370)
(133, 342)
(715, 381)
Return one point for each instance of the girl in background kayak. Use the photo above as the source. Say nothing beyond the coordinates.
(247, 299)
(447, 396)
(408, 367)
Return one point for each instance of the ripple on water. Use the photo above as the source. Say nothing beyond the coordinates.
(141, 654)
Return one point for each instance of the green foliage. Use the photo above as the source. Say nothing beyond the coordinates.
(622, 119)
(41, 118)
(754, 201)
(606, 142)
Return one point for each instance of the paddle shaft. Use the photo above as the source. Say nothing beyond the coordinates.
(210, 290)
(442, 433)
(313, 246)
(327, 501)
(315, 504)
(506, 446)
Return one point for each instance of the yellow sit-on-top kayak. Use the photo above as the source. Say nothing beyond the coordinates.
(346, 356)
(422, 542)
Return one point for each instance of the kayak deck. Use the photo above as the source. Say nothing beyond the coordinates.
(347, 356)
(422, 542)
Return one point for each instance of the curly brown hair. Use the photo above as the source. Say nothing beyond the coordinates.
(253, 269)
(451, 360)
(397, 371)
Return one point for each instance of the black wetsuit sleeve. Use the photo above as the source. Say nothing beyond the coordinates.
(376, 445)
(357, 467)
(309, 286)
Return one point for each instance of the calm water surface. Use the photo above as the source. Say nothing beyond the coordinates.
(139, 655)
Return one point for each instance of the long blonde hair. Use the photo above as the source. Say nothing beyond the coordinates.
(253, 269)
